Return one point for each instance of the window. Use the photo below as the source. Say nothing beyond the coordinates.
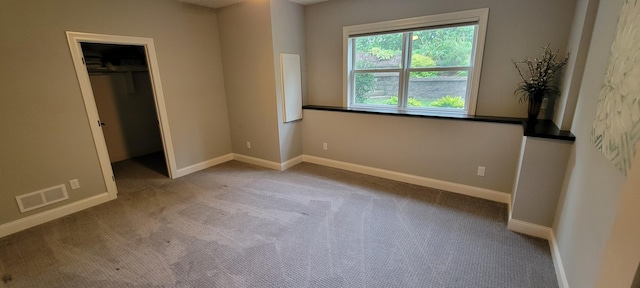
(429, 65)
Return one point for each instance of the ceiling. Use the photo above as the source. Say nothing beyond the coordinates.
(222, 3)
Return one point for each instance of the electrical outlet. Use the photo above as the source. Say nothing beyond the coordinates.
(481, 170)
(74, 184)
(248, 144)
(324, 146)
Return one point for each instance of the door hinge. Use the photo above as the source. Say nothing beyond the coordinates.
(113, 178)
(83, 61)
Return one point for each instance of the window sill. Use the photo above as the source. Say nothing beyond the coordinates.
(506, 120)
(542, 129)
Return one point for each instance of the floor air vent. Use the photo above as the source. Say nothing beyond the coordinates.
(41, 198)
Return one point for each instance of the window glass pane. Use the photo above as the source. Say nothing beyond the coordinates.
(377, 89)
(443, 89)
(378, 51)
(442, 47)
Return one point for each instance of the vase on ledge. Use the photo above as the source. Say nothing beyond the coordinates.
(535, 103)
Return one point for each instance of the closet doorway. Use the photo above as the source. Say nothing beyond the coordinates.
(123, 97)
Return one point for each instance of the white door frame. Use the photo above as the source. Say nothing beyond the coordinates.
(74, 39)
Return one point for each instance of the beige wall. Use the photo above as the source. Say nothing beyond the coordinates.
(129, 112)
(287, 26)
(592, 189)
(536, 191)
(622, 251)
(46, 138)
(247, 50)
(448, 150)
(578, 47)
(516, 28)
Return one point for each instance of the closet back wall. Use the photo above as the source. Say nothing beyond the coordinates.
(125, 103)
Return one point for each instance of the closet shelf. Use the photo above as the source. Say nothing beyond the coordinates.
(117, 69)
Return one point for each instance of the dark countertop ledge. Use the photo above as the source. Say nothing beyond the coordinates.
(546, 129)
(540, 129)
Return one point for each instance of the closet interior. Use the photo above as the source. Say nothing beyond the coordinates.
(124, 97)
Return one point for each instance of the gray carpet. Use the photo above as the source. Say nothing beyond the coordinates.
(238, 225)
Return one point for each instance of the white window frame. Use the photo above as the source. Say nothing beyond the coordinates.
(477, 16)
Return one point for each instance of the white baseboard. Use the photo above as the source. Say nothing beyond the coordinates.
(557, 262)
(408, 178)
(257, 161)
(413, 179)
(291, 162)
(268, 164)
(49, 215)
(530, 229)
(242, 158)
(203, 165)
(544, 233)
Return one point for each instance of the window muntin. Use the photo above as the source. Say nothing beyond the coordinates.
(428, 64)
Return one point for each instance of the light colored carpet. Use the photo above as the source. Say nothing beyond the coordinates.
(238, 225)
